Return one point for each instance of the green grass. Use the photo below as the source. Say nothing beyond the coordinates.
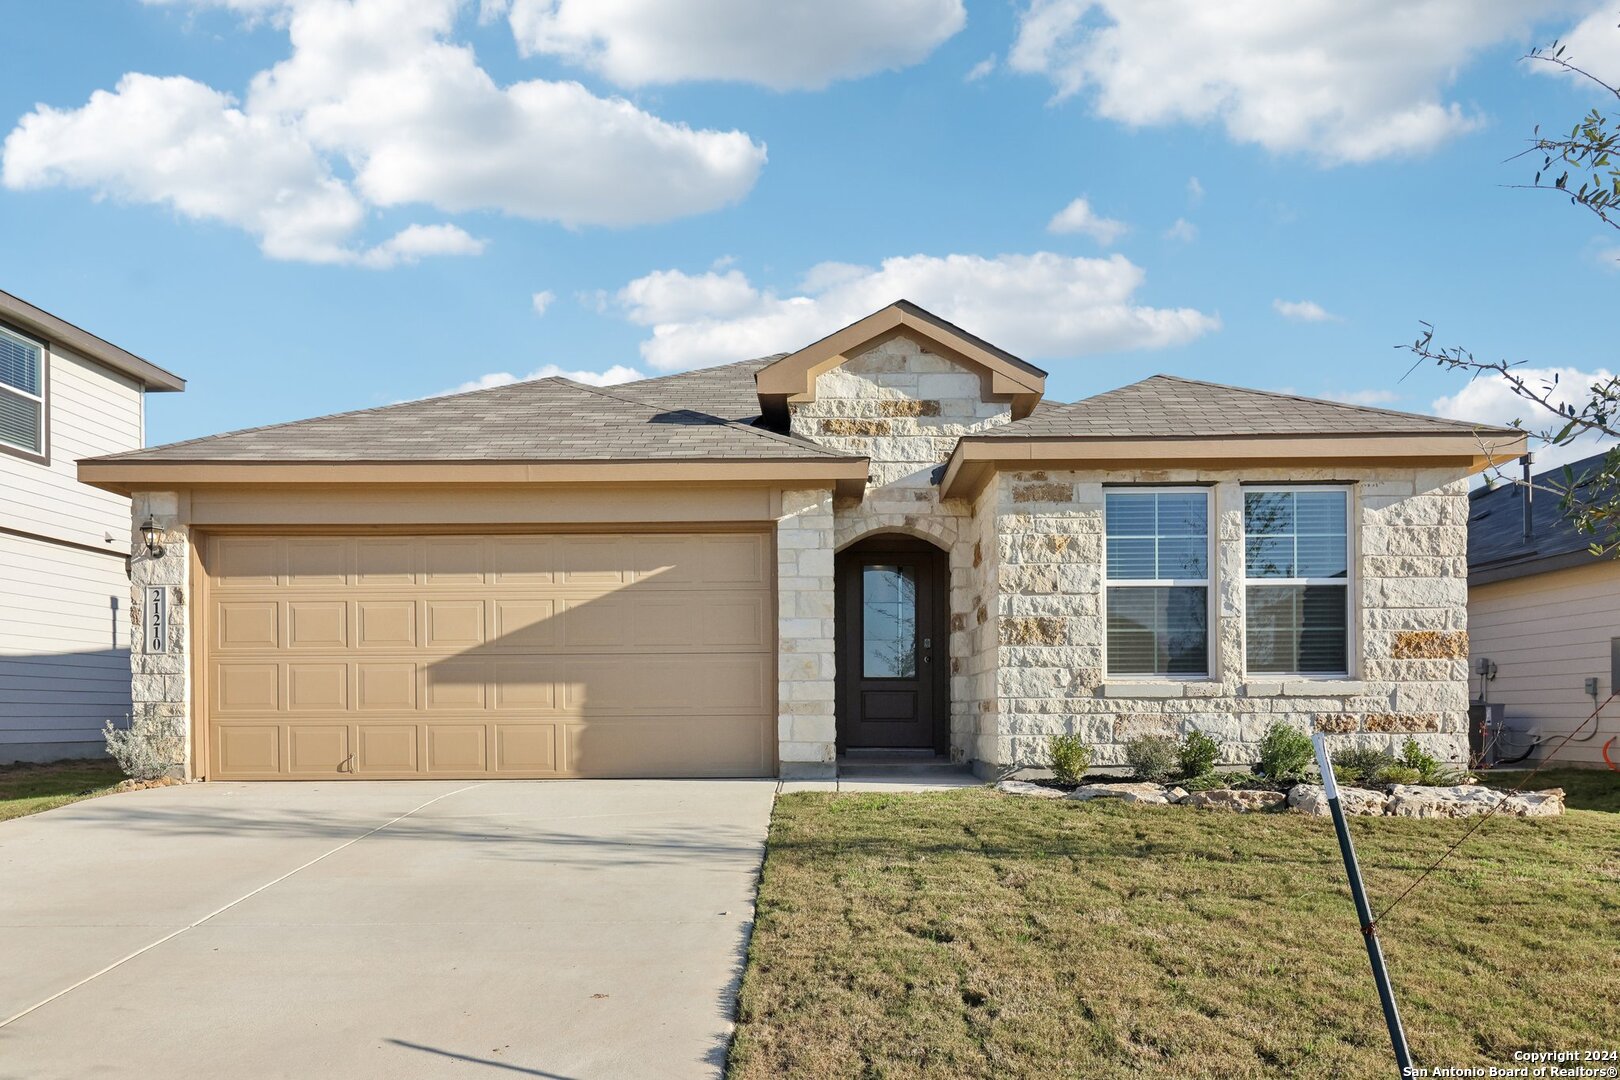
(1584, 789)
(973, 934)
(28, 789)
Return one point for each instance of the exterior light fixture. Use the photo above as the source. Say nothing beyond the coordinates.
(152, 536)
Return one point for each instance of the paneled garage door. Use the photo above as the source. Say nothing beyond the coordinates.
(380, 657)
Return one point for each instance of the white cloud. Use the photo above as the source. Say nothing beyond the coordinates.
(668, 296)
(1037, 305)
(378, 87)
(414, 242)
(1182, 230)
(1594, 46)
(980, 70)
(1489, 399)
(1079, 217)
(178, 143)
(618, 373)
(1345, 82)
(1195, 191)
(1303, 311)
(542, 300)
(785, 46)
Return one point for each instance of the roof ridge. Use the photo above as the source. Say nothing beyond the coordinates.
(720, 421)
(760, 360)
(1345, 405)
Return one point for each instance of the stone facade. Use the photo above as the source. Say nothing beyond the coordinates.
(806, 685)
(160, 682)
(1409, 667)
(904, 407)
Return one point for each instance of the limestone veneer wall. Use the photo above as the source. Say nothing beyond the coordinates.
(806, 687)
(160, 682)
(904, 408)
(1409, 598)
(975, 622)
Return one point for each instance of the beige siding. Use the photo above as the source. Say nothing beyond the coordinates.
(93, 411)
(64, 649)
(64, 625)
(1548, 634)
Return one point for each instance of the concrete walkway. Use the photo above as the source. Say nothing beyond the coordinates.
(400, 930)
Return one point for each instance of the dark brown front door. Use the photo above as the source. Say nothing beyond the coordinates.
(892, 650)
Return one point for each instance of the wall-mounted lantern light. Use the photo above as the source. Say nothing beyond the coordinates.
(153, 537)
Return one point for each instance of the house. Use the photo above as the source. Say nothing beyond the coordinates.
(64, 547)
(886, 540)
(1544, 619)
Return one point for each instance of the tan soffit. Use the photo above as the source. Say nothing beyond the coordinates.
(975, 460)
(846, 476)
(793, 377)
(40, 323)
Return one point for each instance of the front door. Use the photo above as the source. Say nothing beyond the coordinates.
(892, 650)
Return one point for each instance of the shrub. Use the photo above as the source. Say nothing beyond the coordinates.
(1285, 752)
(1397, 774)
(146, 748)
(1153, 757)
(1430, 769)
(1198, 754)
(1070, 758)
(1360, 764)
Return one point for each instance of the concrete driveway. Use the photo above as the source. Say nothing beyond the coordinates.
(551, 929)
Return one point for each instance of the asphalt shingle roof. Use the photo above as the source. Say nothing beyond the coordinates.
(1496, 540)
(1170, 406)
(726, 391)
(541, 420)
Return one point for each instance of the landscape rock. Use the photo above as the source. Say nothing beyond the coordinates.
(1024, 787)
(1312, 799)
(1148, 794)
(1236, 800)
(1468, 800)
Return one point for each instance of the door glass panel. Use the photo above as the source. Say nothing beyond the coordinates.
(889, 622)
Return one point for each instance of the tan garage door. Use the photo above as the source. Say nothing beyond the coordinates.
(492, 655)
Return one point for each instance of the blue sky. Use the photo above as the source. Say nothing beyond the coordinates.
(373, 221)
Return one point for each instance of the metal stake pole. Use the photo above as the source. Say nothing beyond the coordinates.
(1358, 890)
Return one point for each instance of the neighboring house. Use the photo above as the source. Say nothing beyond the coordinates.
(883, 541)
(64, 547)
(1543, 617)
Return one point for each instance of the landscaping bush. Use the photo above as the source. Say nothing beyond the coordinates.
(1154, 758)
(1397, 774)
(1360, 765)
(1285, 752)
(1069, 757)
(1430, 768)
(1198, 755)
(147, 748)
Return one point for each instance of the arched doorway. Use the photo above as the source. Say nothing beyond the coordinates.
(892, 616)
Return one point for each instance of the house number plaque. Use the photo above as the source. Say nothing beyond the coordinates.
(157, 619)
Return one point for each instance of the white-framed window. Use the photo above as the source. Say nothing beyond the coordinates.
(1297, 576)
(1156, 582)
(22, 393)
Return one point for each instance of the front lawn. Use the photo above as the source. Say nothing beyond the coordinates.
(28, 789)
(968, 933)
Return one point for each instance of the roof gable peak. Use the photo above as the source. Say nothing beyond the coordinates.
(792, 378)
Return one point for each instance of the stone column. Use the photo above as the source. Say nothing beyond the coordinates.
(806, 690)
(1226, 657)
(160, 683)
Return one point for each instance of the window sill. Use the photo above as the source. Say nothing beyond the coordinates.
(1300, 686)
(1156, 688)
